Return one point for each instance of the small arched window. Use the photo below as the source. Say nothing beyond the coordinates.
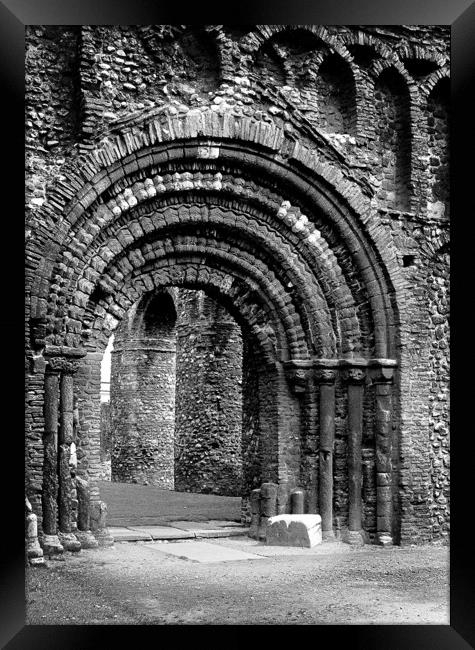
(393, 131)
(336, 96)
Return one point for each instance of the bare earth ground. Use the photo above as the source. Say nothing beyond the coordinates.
(137, 583)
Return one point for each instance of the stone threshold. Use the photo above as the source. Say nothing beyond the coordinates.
(188, 530)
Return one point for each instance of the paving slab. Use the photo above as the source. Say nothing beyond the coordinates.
(163, 532)
(221, 532)
(204, 552)
(199, 525)
(220, 523)
(214, 528)
(212, 525)
(121, 534)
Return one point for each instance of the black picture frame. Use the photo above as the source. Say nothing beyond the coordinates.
(14, 15)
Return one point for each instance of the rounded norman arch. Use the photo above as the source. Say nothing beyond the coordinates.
(285, 240)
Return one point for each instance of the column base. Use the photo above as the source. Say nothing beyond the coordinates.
(354, 537)
(103, 537)
(52, 545)
(86, 539)
(70, 542)
(384, 539)
(33, 549)
(254, 528)
(262, 528)
(328, 536)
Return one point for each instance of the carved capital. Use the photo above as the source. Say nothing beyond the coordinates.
(382, 374)
(354, 375)
(54, 366)
(297, 378)
(325, 375)
(297, 373)
(70, 367)
(62, 364)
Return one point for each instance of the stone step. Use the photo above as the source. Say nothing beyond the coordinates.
(186, 530)
(162, 532)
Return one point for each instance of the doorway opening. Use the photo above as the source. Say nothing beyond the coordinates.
(179, 399)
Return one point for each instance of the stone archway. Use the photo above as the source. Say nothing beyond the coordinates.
(286, 241)
(175, 409)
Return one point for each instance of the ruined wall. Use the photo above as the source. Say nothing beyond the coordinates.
(250, 441)
(386, 125)
(438, 132)
(142, 400)
(208, 452)
(106, 441)
(53, 106)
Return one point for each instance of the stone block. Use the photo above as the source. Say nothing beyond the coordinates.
(294, 530)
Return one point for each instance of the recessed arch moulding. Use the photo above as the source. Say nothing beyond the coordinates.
(283, 238)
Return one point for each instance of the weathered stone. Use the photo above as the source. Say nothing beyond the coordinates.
(142, 397)
(326, 377)
(50, 479)
(268, 506)
(69, 541)
(33, 548)
(294, 530)
(354, 537)
(211, 448)
(366, 273)
(98, 521)
(86, 539)
(297, 502)
(255, 513)
(83, 495)
(355, 378)
(51, 545)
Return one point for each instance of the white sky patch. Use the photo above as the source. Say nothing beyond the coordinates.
(106, 371)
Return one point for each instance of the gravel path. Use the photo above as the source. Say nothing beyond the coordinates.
(137, 583)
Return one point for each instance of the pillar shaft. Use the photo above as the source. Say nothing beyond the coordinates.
(64, 449)
(50, 442)
(327, 437)
(142, 411)
(291, 427)
(355, 378)
(383, 435)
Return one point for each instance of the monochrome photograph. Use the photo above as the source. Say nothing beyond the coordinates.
(237, 273)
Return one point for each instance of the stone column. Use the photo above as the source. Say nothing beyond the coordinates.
(208, 423)
(355, 378)
(255, 513)
(142, 409)
(297, 502)
(67, 538)
(50, 540)
(84, 534)
(326, 378)
(382, 377)
(268, 506)
(98, 522)
(34, 552)
(291, 412)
